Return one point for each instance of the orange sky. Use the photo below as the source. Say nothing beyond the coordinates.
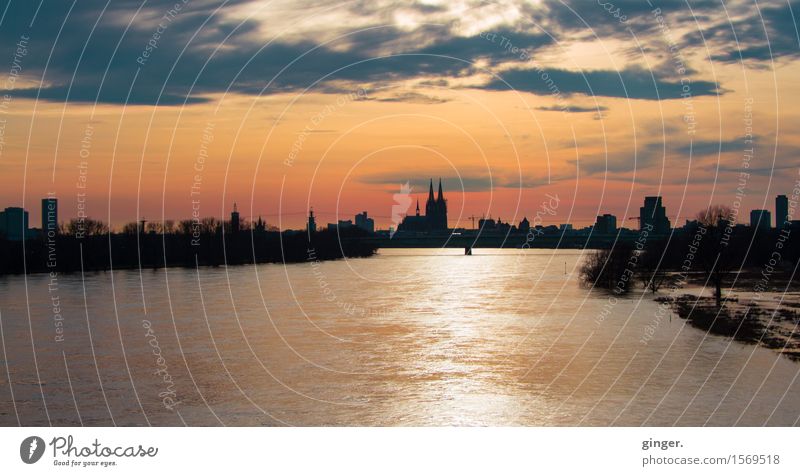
(359, 148)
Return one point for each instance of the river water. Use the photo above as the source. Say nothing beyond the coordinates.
(408, 337)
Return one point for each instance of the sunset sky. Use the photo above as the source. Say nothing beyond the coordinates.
(335, 105)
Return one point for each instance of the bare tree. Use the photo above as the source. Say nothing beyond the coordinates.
(169, 227)
(651, 266)
(714, 254)
(609, 269)
(84, 227)
(130, 228)
(155, 227)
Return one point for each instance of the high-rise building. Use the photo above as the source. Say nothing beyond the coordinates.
(760, 219)
(49, 217)
(365, 223)
(654, 215)
(605, 224)
(781, 211)
(14, 223)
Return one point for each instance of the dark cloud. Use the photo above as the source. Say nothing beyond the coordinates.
(711, 147)
(592, 18)
(86, 54)
(761, 171)
(98, 55)
(632, 82)
(767, 33)
(754, 32)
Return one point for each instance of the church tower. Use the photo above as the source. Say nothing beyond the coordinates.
(441, 207)
(311, 226)
(430, 207)
(436, 209)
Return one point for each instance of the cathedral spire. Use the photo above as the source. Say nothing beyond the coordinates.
(441, 195)
(417, 206)
(430, 192)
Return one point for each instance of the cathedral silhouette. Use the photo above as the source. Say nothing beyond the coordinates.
(435, 218)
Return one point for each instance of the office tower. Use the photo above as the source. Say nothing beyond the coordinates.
(781, 211)
(49, 217)
(760, 219)
(605, 224)
(365, 223)
(654, 215)
(14, 223)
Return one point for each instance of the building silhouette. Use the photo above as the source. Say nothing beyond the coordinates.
(605, 224)
(235, 224)
(524, 225)
(781, 211)
(365, 223)
(435, 219)
(340, 225)
(487, 224)
(49, 216)
(436, 210)
(311, 226)
(490, 226)
(653, 216)
(760, 219)
(260, 226)
(14, 224)
(415, 223)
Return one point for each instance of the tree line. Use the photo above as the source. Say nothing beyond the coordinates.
(89, 245)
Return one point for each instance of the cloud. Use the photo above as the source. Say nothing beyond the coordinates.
(572, 108)
(655, 153)
(466, 180)
(592, 19)
(97, 55)
(410, 97)
(633, 83)
(766, 33)
(469, 181)
(712, 147)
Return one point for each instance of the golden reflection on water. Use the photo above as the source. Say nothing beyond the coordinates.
(409, 337)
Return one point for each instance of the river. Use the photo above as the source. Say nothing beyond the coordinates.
(407, 337)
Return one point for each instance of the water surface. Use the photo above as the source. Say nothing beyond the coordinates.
(408, 337)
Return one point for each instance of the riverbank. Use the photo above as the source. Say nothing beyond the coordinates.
(67, 254)
(768, 320)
